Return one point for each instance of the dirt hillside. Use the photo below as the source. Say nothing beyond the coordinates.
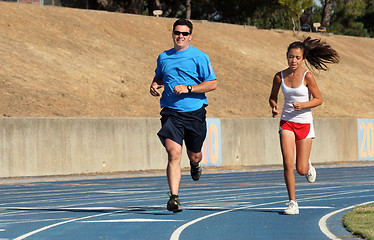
(83, 63)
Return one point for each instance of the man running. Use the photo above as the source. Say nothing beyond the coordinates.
(186, 75)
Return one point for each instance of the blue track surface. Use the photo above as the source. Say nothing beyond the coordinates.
(222, 205)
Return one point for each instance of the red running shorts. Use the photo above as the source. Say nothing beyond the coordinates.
(301, 130)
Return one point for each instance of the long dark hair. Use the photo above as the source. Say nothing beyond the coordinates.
(317, 52)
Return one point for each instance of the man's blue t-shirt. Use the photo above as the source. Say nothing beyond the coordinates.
(187, 67)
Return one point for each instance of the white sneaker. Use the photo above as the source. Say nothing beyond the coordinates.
(312, 174)
(292, 208)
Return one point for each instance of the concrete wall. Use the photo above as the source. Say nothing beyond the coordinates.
(62, 146)
(59, 146)
(252, 142)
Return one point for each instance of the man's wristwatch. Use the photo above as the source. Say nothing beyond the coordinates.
(189, 87)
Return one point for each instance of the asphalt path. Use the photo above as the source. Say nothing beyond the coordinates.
(224, 204)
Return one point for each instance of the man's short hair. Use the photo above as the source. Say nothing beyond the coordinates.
(183, 22)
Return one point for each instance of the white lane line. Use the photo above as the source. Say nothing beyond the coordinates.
(65, 208)
(56, 224)
(323, 221)
(270, 208)
(2, 230)
(178, 231)
(83, 209)
(300, 207)
(132, 220)
(125, 191)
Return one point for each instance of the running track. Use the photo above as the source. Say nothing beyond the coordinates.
(238, 204)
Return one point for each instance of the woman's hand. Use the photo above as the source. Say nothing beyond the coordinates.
(298, 106)
(275, 111)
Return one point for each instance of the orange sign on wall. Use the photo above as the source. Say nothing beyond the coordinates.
(365, 139)
(212, 155)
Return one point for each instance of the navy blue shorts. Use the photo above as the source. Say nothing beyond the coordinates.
(187, 126)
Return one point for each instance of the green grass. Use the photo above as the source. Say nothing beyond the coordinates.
(360, 221)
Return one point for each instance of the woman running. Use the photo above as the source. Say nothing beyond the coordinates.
(296, 122)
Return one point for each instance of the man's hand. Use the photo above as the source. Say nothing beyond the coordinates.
(154, 89)
(180, 89)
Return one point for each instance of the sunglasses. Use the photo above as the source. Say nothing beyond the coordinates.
(177, 33)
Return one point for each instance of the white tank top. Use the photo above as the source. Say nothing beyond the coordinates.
(291, 95)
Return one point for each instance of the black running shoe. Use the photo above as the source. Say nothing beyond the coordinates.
(196, 172)
(174, 204)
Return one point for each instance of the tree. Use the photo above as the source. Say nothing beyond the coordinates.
(306, 18)
(327, 8)
(368, 18)
(346, 18)
(270, 14)
(153, 5)
(188, 9)
(295, 8)
(136, 6)
(127, 6)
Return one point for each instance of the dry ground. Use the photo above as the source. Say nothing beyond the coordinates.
(83, 63)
